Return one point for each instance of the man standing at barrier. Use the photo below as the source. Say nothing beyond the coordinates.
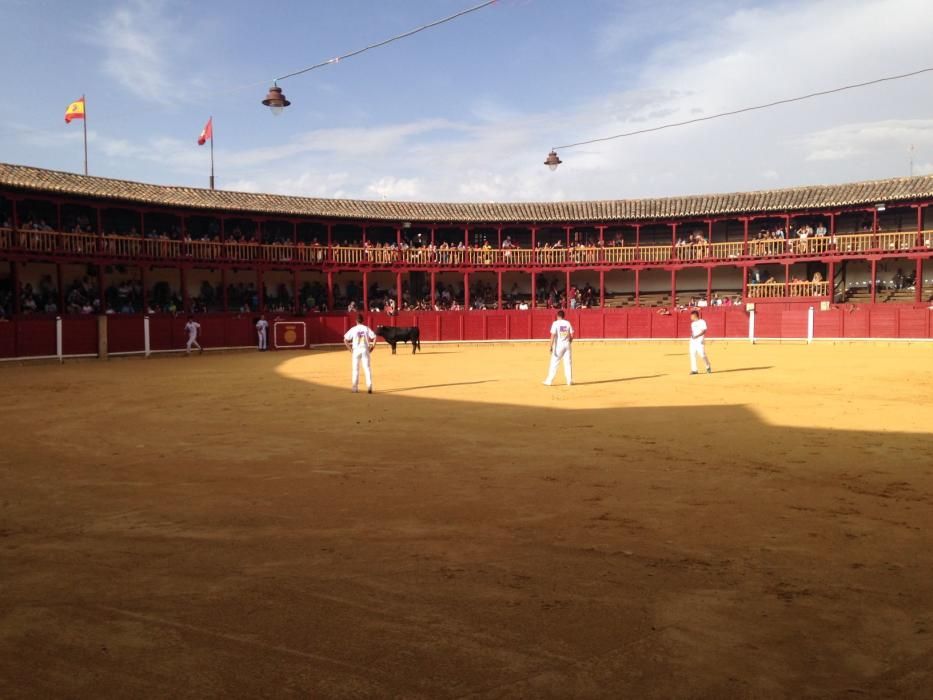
(561, 340)
(698, 342)
(360, 340)
(193, 328)
(262, 333)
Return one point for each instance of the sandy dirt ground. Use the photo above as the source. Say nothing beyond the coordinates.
(241, 525)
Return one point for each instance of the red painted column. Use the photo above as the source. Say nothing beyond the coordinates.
(874, 277)
(330, 236)
(602, 289)
(745, 280)
(466, 236)
(567, 291)
(637, 281)
(142, 283)
(101, 287)
(534, 288)
(567, 235)
(534, 243)
(363, 233)
(14, 273)
(674, 286)
(637, 235)
(398, 291)
(920, 208)
(918, 282)
(786, 278)
(100, 229)
(499, 275)
(874, 220)
(398, 236)
(745, 223)
(61, 290)
(185, 302)
(466, 291)
(330, 290)
(499, 235)
(831, 286)
(709, 284)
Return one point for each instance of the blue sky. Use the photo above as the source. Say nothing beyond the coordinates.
(467, 111)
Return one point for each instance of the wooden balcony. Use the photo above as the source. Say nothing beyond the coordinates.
(782, 290)
(158, 250)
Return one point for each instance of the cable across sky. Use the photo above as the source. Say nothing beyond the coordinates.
(747, 109)
(390, 40)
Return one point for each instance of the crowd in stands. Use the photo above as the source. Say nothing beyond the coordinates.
(43, 298)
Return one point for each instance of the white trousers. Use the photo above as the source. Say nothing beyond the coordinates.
(193, 340)
(697, 349)
(262, 339)
(561, 352)
(361, 358)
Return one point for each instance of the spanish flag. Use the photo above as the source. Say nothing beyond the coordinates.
(75, 111)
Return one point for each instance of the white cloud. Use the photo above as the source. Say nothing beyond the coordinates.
(395, 188)
(137, 38)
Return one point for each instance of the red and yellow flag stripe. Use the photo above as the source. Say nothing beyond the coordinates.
(75, 111)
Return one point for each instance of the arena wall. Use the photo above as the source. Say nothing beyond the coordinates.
(36, 337)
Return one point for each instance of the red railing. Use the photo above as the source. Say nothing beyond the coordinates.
(165, 249)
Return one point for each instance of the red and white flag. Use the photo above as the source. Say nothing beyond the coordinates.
(207, 132)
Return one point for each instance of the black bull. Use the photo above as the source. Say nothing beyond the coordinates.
(396, 334)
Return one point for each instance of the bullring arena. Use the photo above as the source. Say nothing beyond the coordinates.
(239, 524)
(224, 524)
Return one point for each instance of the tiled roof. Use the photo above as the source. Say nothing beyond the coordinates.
(617, 210)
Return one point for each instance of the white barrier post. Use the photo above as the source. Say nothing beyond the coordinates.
(751, 326)
(810, 326)
(146, 335)
(58, 338)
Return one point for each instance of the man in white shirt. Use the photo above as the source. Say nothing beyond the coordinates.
(360, 340)
(561, 339)
(193, 329)
(262, 333)
(697, 342)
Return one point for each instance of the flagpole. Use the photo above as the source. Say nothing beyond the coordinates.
(84, 100)
(212, 151)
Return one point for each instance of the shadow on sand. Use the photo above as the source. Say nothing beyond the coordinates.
(433, 386)
(615, 381)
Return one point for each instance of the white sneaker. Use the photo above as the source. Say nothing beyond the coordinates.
(546, 383)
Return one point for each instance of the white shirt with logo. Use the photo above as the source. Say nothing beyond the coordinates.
(361, 336)
(697, 327)
(564, 332)
(192, 327)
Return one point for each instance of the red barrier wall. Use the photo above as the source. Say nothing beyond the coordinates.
(79, 335)
(35, 335)
(7, 339)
